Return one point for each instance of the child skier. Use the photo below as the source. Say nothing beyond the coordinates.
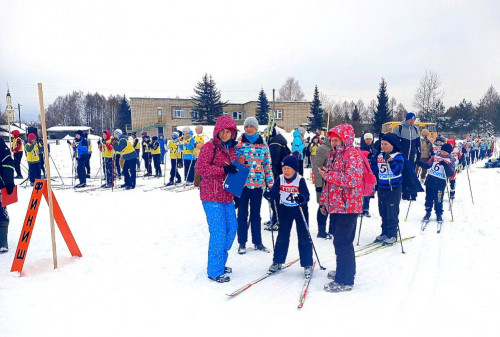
(156, 156)
(388, 168)
(290, 191)
(33, 157)
(175, 159)
(106, 149)
(440, 168)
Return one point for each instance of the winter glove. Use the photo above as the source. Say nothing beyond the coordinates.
(267, 194)
(10, 188)
(319, 189)
(230, 169)
(299, 199)
(180, 164)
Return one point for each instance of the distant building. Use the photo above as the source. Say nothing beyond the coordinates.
(162, 115)
(59, 132)
(4, 130)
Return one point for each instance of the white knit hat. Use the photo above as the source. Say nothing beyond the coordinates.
(368, 136)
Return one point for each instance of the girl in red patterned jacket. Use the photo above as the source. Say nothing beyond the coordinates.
(342, 197)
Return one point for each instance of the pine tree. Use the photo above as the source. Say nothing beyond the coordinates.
(124, 114)
(316, 121)
(207, 101)
(262, 108)
(382, 114)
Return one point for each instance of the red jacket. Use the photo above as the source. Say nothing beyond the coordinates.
(211, 161)
(344, 175)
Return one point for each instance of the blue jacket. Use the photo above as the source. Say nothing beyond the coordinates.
(162, 144)
(298, 144)
(389, 172)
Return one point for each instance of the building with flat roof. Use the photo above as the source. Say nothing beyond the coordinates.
(163, 115)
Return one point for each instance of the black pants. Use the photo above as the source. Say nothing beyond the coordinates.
(80, 170)
(147, 163)
(189, 165)
(129, 172)
(322, 219)
(250, 197)
(118, 168)
(388, 208)
(434, 197)
(174, 174)
(343, 228)
(87, 163)
(287, 216)
(34, 172)
(17, 162)
(452, 188)
(107, 167)
(156, 161)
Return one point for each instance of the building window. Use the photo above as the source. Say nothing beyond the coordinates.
(179, 113)
(237, 115)
(159, 112)
(278, 114)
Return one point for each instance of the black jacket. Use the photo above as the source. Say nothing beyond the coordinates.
(278, 149)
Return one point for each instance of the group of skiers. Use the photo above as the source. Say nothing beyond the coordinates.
(276, 174)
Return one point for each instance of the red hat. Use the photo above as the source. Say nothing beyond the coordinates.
(31, 137)
(15, 133)
(451, 141)
(332, 134)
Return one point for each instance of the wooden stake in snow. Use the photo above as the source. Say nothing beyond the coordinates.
(47, 168)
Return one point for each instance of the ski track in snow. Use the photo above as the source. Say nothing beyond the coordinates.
(143, 270)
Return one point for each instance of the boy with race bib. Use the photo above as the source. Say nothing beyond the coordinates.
(440, 168)
(290, 191)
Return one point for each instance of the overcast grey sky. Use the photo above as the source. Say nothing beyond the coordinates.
(162, 48)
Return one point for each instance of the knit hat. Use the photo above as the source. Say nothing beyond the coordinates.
(186, 129)
(79, 132)
(134, 134)
(439, 139)
(175, 135)
(410, 115)
(392, 139)
(108, 135)
(15, 133)
(291, 162)
(118, 132)
(144, 134)
(446, 148)
(155, 138)
(368, 136)
(251, 121)
(31, 137)
(424, 132)
(451, 141)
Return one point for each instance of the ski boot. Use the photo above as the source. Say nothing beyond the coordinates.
(380, 238)
(308, 271)
(242, 249)
(262, 248)
(275, 267)
(324, 235)
(221, 278)
(334, 287)
(389, 241)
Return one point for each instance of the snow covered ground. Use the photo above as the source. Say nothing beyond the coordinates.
(143, 271)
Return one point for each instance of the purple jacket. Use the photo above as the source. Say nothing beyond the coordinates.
(213, 157)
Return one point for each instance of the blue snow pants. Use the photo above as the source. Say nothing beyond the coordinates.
(222, 225)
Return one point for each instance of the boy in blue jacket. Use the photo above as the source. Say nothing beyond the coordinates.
(388, 168)
(440, 169)
(290, 191)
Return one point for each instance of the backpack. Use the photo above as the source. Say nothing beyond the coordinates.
(369, 179)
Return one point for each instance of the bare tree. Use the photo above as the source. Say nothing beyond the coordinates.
(291, 91)
(400, 112)
(428, 96)
(392, 107)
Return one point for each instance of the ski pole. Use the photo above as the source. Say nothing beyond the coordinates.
(59, 174)
(271, 221)
(309, 233)
(408, 211)
(359, 233)
(470, 187)
(449, 200)
(401, 240)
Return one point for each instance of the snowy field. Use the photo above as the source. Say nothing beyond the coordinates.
(143, 271)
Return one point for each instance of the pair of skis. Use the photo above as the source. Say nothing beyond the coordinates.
(303, 292)
(376, 246)
(426, 222)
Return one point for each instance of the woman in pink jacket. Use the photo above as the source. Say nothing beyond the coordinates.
(342, 198)
(213, 165)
